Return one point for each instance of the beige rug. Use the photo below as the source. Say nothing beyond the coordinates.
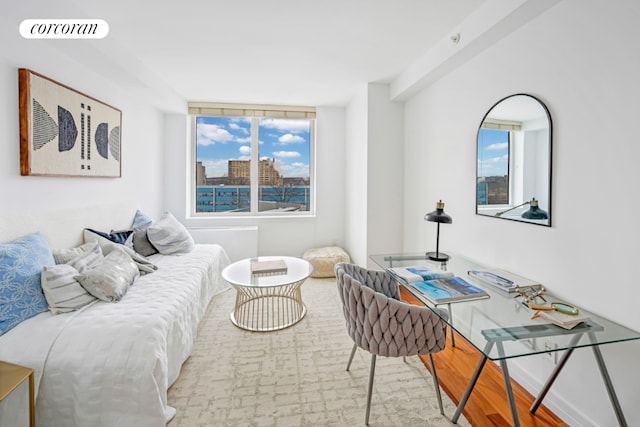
(297, 376)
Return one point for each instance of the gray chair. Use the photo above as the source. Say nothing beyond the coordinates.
(378, 322)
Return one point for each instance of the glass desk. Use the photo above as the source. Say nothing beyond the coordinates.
(500, 328)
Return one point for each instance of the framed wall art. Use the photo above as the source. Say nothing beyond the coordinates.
(64, 132)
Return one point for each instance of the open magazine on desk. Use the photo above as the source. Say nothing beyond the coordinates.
(446, 290)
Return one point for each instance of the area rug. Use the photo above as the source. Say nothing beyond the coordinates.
(297, 376)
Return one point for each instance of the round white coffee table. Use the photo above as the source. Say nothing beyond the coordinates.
(268, 301)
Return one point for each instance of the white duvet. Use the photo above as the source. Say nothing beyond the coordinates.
(111, 364)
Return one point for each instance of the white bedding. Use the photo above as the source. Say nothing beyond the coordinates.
(111, 364)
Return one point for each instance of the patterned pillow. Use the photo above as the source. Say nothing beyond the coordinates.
(169, 236)
(110, 280)
(21, 262)
(62, 291)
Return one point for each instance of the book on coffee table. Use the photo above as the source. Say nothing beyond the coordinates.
(270, 266)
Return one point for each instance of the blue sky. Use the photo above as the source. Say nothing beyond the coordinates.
(220, 139)
(493, 152)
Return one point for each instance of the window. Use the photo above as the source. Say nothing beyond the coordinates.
(254, 160)
(492, 187)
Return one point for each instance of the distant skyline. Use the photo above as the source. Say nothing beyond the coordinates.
(493, 152)
(220, 139)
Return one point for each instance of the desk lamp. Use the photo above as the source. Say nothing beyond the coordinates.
(438, 216)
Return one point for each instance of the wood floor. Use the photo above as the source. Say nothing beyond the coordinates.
(487, 405)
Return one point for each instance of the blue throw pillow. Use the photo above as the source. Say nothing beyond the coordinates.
(119, 237)
(140, 219)
(21, 262)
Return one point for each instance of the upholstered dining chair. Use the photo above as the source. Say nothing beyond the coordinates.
(379, 322)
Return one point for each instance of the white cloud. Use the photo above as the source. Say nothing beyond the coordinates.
(290, 139)
(245, 149)
(218, 167)
(286, 154)
(209, 134)
(295, 169)
(286, 125)
(498, 146)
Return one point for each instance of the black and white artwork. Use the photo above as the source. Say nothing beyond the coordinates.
(64, 132)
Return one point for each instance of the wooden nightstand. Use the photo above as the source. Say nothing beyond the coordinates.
(11, 376)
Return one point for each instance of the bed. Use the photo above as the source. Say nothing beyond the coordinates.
(110, 364)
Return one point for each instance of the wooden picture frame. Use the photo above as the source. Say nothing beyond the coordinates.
(64, 132)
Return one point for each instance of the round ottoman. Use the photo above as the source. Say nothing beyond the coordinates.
(325, 259)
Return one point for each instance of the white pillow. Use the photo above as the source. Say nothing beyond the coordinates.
(169, 236)
(62, 291)
(110, 280)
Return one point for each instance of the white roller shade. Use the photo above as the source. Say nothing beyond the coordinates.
(275, 111)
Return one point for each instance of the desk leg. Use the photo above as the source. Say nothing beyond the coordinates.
(472, 383)
(467, 392)
(507, 386)
(453, 336)
(607, 381)
(554, 374)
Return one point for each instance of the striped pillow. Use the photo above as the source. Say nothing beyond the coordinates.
(169, 236)
(89, 259)
(62, 291)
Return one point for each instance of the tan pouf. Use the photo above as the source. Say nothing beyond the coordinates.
(325, 259)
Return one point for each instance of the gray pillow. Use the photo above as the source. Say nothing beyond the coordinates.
(169, 236)
(141, 243)
(110, 280)
(62, 291)
(89, 259)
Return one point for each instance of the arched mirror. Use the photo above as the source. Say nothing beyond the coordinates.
(513, 179)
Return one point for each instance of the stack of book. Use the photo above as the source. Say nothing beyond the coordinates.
(503, 280)
(268, 267)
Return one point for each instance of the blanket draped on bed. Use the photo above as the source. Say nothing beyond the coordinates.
(110, 364)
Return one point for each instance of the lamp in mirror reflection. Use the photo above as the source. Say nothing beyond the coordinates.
(534, 211)
(438, 216)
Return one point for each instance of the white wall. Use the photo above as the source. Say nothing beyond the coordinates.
(276, 236)
(385, 192)
(356, 152)
(374, 179)
(580, 58)
(141, 133)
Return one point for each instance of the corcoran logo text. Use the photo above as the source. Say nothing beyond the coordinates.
(64, 29)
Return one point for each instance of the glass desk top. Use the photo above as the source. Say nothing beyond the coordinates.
(501, 326)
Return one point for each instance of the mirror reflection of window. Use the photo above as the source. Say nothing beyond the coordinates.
(493, 167)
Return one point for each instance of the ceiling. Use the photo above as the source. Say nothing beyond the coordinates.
(295, 52)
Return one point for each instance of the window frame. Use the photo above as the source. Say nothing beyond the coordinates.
(255, 113)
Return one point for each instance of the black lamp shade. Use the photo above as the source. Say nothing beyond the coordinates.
(534, 212)
(438, 215)
(441, 218)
